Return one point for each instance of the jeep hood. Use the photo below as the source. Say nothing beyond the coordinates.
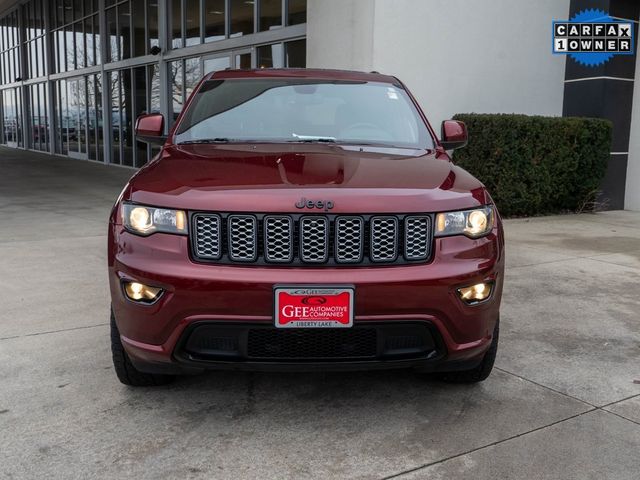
(273, 177)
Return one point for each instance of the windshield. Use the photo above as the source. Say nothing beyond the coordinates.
(303, 110)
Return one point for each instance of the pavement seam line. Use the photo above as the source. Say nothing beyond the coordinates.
(489, 445)
(546, 387)
(621, 416)
(601, 408)
(621, 400)
(613, 263)
(54, 331)
(594, 258)
(544, 263)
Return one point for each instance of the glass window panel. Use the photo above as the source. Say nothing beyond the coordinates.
(14, 66)
(175, 21)
(91, 118)
(40, 15)
(152, 23)
(114, 91)
(270, 14)
(89, 7)
(127, 118)
(63, 118)
(62, 51)
(19, 119)
(215, 64)
(44, 117)
(27, 21)
(112, 32)
(31, 20)
(140, 107)
(214, 17)
(154, 100)
(90, 47)
(243, 60)
(68, 11)
(32, 54)
(40, 58)
(139, 36)
(97, 39)
(59, 13)
(54, 54)
(99, 118)
(80, 49)
(192, 75)
(297, 12)
(124, 30)
(192, 22)
(241, 17)
(270, 56)
(77, 9)
(70, 48)
(177, 89)
(82, 115)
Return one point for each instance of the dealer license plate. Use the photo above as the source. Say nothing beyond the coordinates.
(313, 307)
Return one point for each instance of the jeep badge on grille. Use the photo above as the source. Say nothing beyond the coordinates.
(319, 204)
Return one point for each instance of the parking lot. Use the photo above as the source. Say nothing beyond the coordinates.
(564, 401)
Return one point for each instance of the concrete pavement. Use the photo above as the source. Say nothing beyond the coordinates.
(562, 402)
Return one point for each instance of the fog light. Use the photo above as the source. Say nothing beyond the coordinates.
(475, 293)
(139, 292)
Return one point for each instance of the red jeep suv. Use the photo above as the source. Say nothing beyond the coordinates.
(303, 220)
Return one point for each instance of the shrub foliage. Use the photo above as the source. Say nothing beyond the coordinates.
(536, 165)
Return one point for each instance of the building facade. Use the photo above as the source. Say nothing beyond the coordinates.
(74, 74)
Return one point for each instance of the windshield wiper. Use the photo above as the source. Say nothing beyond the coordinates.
(205, 140)
(312, 139)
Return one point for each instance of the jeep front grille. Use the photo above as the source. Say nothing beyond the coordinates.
(243, 238)
(311, 239)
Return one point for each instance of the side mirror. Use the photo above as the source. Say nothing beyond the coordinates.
(150, 129)
(454, 134)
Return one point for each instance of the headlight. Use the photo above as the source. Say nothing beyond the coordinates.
(147, 220)
(472, 223)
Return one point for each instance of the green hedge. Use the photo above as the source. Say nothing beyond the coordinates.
(536, 165)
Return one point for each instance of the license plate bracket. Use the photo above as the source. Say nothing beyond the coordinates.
(314, 306)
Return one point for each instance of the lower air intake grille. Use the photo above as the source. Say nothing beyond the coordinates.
(312, 343)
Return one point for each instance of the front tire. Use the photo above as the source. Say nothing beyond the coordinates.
(127, 373)
(479, 373)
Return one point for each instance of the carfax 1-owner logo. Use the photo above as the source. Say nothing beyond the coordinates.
(592, 37)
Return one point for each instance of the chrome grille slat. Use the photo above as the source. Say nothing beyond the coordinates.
(314, 239)
(311, 239)
(384, 239)
(278, 239)
(417, 237)
(243, 238)
(349, 233)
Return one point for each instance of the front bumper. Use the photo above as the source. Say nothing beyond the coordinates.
(242, 296)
